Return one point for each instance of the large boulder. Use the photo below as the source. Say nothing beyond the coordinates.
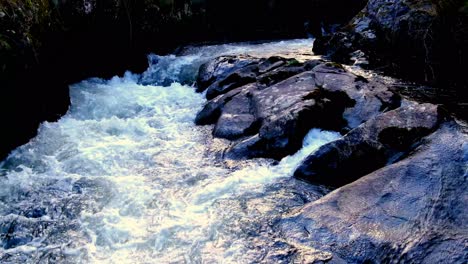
(284, 99)
(243, 76)
(370, 96)
(237, 118)
(218, 69)
(413, 211)
(225, 73)
(289, 109)
(419, 40)
(270, 72)
(271, 76)
(379, 142)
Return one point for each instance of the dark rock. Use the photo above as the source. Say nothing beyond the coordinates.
(327, 97)
(378, 142)
(220, 68)
(371, 97)
(289, 109)
(238, 78)
(413, 211)
(224, 74)
(281, 108)
(282, 111)
(240, 112)
(237, 119)
(273, 100)
(291, 68)
(271, 64)
(418, 40)
(214, 107)
(247, 148)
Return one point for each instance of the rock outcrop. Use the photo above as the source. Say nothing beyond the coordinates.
(400, 169)
(268, 105)
(380, 141)
(413, 211)
(419, 40)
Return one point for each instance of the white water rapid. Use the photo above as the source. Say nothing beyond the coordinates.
(126, 177)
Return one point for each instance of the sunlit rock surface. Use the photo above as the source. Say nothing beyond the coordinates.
(272, 113)
(401, 165)
(411, 211)
(377, 143)
(424, 41)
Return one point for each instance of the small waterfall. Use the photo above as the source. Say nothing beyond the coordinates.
(126, 177)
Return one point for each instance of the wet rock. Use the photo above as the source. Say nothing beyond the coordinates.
(220, 68)
(224, 74)
(327, 98)
(291, 68)
(272, 100)
(271, 64)
(237, 119)
(213, 108)
(289, 109)
(284, 103)
(370, 96)
(413, 211)
(277, 114)
(413, 39)
(247, 148)
(238, 78)
(380, 141)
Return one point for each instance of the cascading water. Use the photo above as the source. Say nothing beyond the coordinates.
(126, 177)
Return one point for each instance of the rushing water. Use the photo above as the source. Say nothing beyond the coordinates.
(126, 177)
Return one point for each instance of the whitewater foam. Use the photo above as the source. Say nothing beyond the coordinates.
(126, 177)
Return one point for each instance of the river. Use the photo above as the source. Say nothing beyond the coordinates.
(126, 176)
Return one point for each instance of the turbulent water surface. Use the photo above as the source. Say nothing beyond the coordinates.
(126, 177)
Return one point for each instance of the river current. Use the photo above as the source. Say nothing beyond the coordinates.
(126, 176)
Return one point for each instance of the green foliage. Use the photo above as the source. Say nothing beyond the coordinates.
(24, 20)
(23, 24)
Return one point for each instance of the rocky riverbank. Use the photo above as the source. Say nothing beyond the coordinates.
(399, 169)
(422, 41)
(398, 172)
